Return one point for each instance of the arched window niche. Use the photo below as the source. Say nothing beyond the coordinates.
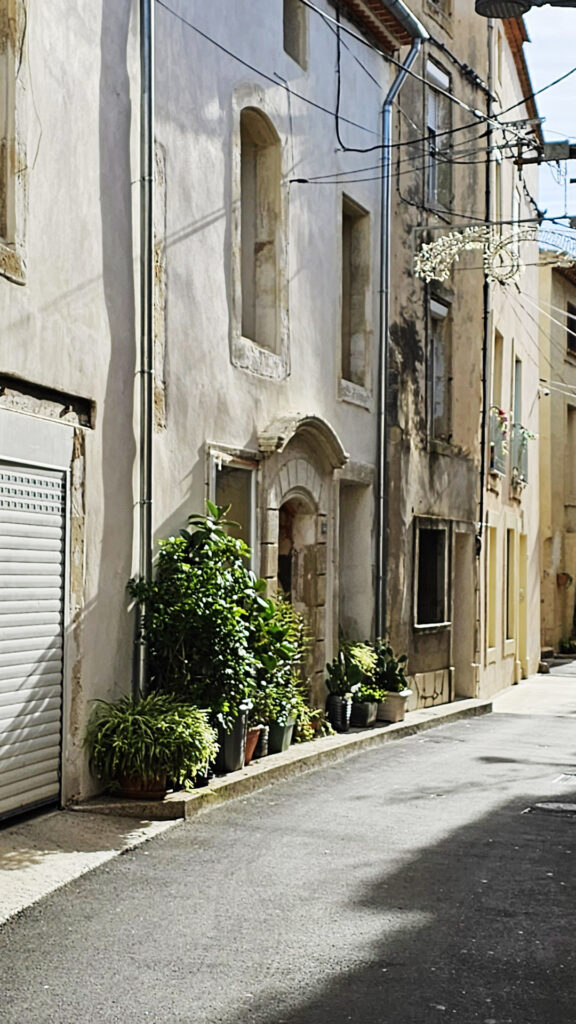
(260, 315)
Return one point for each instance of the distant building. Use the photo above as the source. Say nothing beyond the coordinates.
(557, 342)
(462, 562)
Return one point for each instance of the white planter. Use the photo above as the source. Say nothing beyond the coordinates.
(393, 708)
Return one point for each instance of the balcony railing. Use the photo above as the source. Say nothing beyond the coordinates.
(498, 441)
(519, 454)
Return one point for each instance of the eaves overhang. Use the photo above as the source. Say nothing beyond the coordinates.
(516, 36)
(388, 22)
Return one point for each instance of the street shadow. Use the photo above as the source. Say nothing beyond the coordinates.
(476, 929)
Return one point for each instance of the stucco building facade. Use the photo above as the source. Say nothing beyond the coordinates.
(462, 564)
(267, 235)
(284, 232)
(557, 341)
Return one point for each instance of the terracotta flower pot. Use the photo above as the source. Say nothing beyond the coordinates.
(252, 737)
(143, 789)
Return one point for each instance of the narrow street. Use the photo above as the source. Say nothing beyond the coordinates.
(407, 885)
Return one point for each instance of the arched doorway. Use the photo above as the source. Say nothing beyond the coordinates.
(298, 563)
(298, 516)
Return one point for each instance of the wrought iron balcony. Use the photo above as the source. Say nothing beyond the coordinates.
(519, 454)
(498, 441)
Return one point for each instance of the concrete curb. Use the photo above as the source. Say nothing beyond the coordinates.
(299, 759)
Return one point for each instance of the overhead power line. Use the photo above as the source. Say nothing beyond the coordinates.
(276, 80)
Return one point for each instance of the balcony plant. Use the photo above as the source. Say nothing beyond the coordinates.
(390, 676)
(136, 745)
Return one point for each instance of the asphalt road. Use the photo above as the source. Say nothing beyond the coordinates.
(408, 885)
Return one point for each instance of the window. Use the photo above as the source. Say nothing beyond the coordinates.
(233, 483)
(12, 153)
(497, 363)
(260, 170)
(492, 577)
(431, 575)
(440, 371)
(571, 328)
(438, 127)
(355, 291)
(570, 456)
(517, 391)
(510, 583)
(295, 31)
(498, 189)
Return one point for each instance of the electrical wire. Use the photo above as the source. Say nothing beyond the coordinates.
(538, 92)
(257, 71)
(275, 80)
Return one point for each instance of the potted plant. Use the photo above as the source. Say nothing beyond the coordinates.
(198, 625)
(365, 702)
(344, 677)
(367, 696)
(137, 744)
(311, 724)
(389, 675)
(279, 646)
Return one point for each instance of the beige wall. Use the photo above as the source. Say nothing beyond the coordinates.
(557, 456)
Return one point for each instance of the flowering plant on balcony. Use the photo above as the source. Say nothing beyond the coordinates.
(501, 421)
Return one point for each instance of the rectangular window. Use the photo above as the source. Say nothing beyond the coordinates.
(497, 364)
(234, 484)
(571, 328)
(510, 584)
(260, 174)
(355, 291)
(498, 189)
(517, 391)
(438, 127)
(440, 371)
(570, 454)
(492, 576)
(294, 25)
(431, 576)
(13, 164)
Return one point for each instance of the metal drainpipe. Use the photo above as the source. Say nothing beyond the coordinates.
(385, 220)
(486, 334)
(146, 368)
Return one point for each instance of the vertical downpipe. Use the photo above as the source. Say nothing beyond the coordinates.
(385, 219)
(486, 337)
(146, 369)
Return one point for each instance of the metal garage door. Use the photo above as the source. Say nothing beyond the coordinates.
(32, 533)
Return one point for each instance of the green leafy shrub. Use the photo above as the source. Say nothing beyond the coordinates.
(344, 675)
(389, 671)
(311, 724)
(200, 615)
(369, 692)
(149, 737)
(279, 643)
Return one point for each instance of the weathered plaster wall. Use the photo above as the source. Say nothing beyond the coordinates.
(557, 460)
(510, 507)
(70, 327)
(429, 476)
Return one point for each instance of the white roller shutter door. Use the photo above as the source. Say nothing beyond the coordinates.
(32, 562)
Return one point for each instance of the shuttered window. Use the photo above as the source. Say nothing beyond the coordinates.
(32, 536)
